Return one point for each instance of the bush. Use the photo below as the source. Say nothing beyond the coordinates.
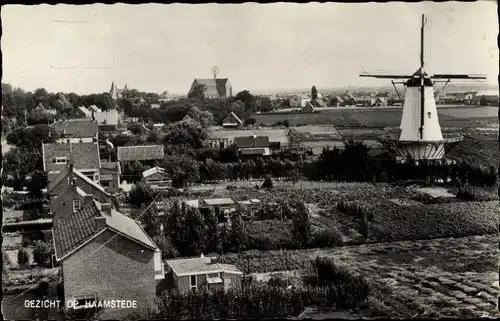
(326, 238)
(255, 302)
(42, 253)
(22, 257)
(140, 194)
(268, 183)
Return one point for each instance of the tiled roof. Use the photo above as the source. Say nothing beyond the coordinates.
(73, 231)
(110, 165)
(84, 156)
(67, 171)
(138, 153)
(76, 128)
(251, 141)
(152, 171)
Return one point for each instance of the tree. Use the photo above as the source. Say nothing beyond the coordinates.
(185, 133)
(141, 194)
(193, 237)
(203, 117)
(22, 257)
(246, 97)
(136, 128)
(19, 163)
(42, 253)
(175, 112)
(212, 242)
(301, 224)
(237, 233)
(314, 93)
(37, 183)
(268, 183)
(166, 246)
(197, 92)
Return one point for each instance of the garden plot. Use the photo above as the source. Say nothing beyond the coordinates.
(448, 277)
(481, 149)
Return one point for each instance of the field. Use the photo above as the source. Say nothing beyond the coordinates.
(462, 117)
(448, 277)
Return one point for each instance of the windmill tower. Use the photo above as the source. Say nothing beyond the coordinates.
(421, 136)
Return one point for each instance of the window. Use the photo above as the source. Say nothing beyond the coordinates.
(84, 301)
(96, 177)
(76, 205)
(61, 160)
(429, 114)
(193, 282)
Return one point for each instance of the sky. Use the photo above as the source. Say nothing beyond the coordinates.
(259, 47)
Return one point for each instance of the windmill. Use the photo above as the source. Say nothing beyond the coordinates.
(215, 71)
(421, 136)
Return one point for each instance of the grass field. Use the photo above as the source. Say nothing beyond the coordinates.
(448, 277)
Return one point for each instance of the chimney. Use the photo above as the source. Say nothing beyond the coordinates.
(101, 222)
(106, 208)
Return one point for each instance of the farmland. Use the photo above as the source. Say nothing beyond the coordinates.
(448, 277)
(372, 118)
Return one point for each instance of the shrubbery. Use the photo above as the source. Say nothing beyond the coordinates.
(22, 257)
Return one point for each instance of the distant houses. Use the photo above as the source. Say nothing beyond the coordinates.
(81, 113)
(487, 97)
(127, 265)
(109, 117)
(232, 121)
(253, 145)
(299, 100)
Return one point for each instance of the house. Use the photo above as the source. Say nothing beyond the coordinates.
(253, 145)
(84, 157)
(250, 206)
(197, 273)
(81, 113)
(217, 142)
(115, 92)
(488, 97)
(232, 121)
(336, 101)
(94, 109)
(109, 177)
(155, 106)
(299, 100)
(70, 190)
(157, 178)
(381, 101)
(108, 117)
(220, 206)
(309, 108)
(76, 131)
(110, 258)
(214, 88)
(145, 153)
